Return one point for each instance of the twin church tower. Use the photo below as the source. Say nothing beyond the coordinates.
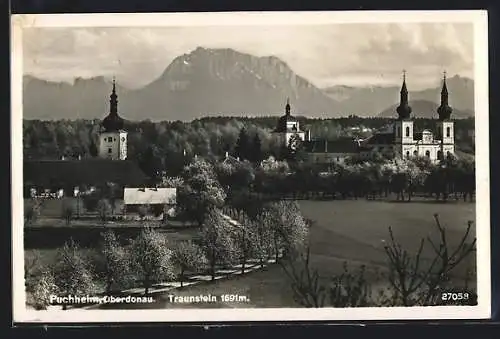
(424, 143)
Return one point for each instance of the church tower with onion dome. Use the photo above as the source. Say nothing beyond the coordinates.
(113, 137)
(288, 127)
(445, 125)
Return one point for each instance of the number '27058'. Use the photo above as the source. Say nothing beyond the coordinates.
(454, 296)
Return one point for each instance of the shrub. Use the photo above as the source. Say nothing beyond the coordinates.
(67, 210)
(72, 271)
(42, 290)
(104, 209)
(32, 211)
(410, 280)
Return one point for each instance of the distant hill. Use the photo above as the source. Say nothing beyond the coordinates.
(205, 82)
(424, 109)
(85, 98)
(369, 101)
(219, 82)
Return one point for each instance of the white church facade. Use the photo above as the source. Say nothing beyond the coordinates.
(288, 126)
(113, 137)
(402, 141)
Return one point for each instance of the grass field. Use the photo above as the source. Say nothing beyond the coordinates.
(343, 231)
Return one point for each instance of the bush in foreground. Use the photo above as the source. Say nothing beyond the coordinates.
(411, 280)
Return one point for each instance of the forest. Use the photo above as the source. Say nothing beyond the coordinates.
(167, 146)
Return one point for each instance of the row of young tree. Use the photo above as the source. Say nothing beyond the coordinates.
(409, 278)
(376, 178)
(150, 258)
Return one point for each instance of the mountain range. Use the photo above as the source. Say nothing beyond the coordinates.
(215, 82)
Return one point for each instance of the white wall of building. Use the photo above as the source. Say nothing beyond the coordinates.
(113, 145)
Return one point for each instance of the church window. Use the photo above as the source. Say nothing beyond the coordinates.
(428, 154)
(448, 130)
(110, 150)
(110, 139)
(407, 154)
(407, 131)
(123, 138)
(338, 158)
(440, 155)
(415, 153)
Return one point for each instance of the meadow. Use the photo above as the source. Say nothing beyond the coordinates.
(349, 231)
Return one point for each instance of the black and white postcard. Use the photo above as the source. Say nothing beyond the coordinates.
(273, 166)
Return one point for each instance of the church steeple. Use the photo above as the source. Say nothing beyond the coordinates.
(113, 100)
(404, 110)
(287, 107)
(444, 110)
(113, 122)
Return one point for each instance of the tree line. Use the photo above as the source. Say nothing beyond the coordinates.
(169, 146)
(247, 186)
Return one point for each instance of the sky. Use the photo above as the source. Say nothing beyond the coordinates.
(349, 54)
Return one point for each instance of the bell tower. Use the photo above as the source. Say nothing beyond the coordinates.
(113, 137)
(403, 126)
(445, 126)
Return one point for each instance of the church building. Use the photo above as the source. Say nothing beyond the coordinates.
(113, 137)
(402, 141)
(399, 140)
(288, 126)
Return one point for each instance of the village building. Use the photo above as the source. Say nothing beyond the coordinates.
(158, 201)
(330, 151)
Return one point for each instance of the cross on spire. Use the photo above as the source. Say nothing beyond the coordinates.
(287, 107)
(404, 110)
(444, 110)
(114, 84)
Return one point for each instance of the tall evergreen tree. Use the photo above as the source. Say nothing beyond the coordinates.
(256, 149)
(93, 149)
(242, 145)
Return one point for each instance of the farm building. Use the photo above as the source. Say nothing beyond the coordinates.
(154, 200)
(330, 151)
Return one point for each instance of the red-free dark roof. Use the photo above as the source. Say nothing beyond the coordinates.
(341, 145)
(82, 172)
